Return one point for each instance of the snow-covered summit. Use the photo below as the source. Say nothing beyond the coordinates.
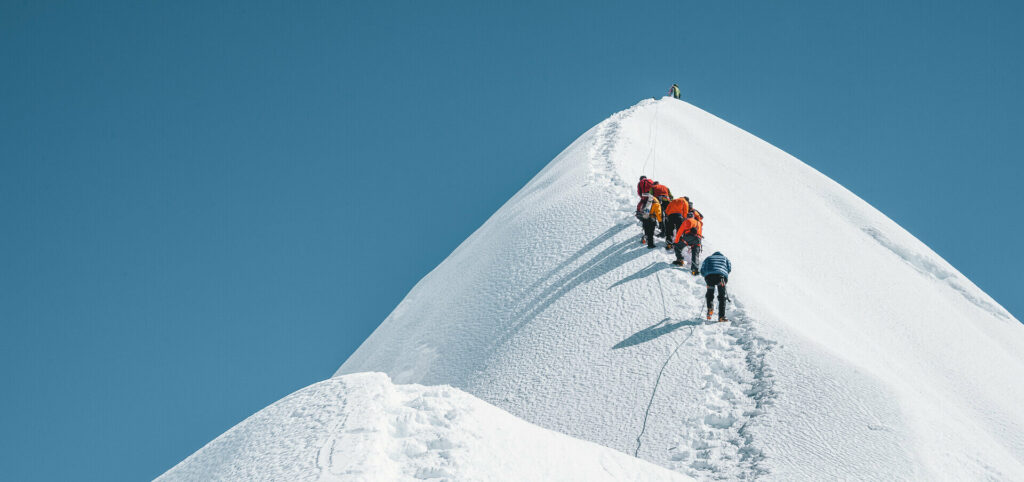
(854, 350)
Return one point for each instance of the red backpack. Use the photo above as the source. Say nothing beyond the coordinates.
(644, 187)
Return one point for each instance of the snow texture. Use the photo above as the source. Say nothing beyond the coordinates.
(362, 427)
(853, 350)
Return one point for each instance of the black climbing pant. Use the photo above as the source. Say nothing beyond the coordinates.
(649, 225)
(672, 223)
(718, 280)
(694, 243)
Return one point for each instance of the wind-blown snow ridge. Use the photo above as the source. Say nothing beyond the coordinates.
(362, 427)
(926, 265)
(853, 350)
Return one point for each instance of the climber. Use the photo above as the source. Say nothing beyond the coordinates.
(664, 195)
(674, 91)
(643, 187)
(696, 215)
(715, 271)
(674, 214)
(661, 191)
(690, 233)
(651, 216)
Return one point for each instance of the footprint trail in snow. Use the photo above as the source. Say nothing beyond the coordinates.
(720, 442)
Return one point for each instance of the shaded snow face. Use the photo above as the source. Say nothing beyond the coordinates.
(852, 347)
(363, 427)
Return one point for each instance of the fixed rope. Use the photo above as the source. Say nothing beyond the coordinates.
(657, 381)
(652, 140)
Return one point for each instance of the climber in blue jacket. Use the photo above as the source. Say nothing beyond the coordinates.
(715, 270)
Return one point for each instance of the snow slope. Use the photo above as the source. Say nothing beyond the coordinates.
(363, 427)
(854, 351)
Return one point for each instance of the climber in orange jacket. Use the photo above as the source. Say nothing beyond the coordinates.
(674, 213)
(661, 191)
(691, 232)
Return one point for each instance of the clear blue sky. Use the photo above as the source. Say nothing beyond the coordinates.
(191, 192)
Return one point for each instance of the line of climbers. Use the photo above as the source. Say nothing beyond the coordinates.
(682, 226)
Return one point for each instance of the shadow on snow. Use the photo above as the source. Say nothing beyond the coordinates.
(643, 273)
(611, 257)
(656, 330)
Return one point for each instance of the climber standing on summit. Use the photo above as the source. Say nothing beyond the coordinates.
(715, 270)
(674, 91)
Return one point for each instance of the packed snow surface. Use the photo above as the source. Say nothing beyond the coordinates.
(363, 427)
(853, 350)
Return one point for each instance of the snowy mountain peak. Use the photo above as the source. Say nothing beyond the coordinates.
(853, 348)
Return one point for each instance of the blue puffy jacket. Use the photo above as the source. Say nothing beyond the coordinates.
(717, 263)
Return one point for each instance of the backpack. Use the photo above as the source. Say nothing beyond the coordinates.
(648, 204)
(644, 186)
(697, 229)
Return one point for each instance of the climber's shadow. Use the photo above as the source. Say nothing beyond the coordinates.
(660, 328)
(643, 273)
